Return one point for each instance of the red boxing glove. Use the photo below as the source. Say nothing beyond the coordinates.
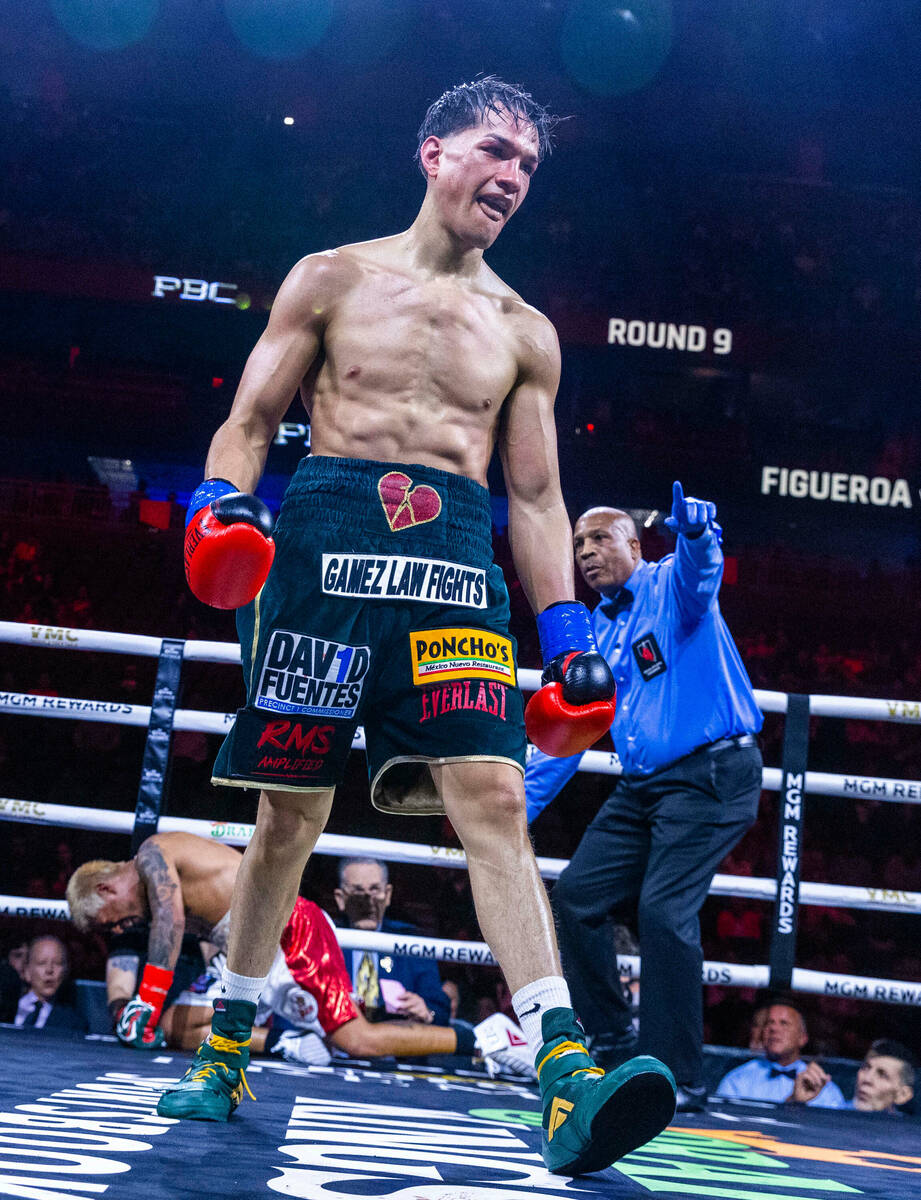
(560, 728)
(575, 707)
(155, 983)
(228, 547)
(136, 1025)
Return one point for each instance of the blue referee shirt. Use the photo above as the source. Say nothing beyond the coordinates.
(680, 680)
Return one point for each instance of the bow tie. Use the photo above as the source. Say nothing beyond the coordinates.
(787, 1072)
(615, 604)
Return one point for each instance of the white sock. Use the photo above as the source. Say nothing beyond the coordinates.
(533, 1000)
(241, 987)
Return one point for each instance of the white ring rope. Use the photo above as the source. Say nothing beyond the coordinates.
(726, 974)
(59, 638)
(598, 762)
(238, 833)
(886, 991)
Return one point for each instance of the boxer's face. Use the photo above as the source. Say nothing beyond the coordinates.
(124, 903)
(880, 1085)
(605, 549)
(481, 175)
(363, 895)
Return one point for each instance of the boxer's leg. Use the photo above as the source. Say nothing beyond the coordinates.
(287, 827)
(484, 801)
(590, 1119)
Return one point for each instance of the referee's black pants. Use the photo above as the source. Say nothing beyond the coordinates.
(652, 852)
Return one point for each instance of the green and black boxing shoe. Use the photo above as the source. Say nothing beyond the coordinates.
(213, 1085)
(593, 1118)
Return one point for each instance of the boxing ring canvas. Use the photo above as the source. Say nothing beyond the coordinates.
(79, 1119)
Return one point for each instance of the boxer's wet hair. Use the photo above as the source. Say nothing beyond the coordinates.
(470, 104)
(82, 898)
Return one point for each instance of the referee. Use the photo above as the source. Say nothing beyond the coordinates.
(686, 733)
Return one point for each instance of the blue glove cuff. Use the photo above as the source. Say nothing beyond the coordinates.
(206, 493)
(564, 626)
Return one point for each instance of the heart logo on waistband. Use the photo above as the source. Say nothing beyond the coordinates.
(404, 507)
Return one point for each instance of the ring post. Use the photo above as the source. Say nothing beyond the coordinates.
(790, 842)
(155, 765)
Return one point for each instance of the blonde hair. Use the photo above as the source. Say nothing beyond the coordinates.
(83, 899)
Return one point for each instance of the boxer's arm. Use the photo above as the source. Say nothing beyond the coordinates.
(539, 529)
(121, 980)
(363, 1039)
(274, 370)
(160, 878)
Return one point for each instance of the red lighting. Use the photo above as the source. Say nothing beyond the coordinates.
(590, 427)
(217, 381)
(73, 356)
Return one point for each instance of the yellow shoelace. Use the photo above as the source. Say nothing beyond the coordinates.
(225, 1046)
(569, 1048)
(559, 1051)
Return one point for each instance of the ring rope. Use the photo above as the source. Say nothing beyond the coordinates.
(886, 991)
(728, 974)
(341, 846)
(597, 762)
(60, 638)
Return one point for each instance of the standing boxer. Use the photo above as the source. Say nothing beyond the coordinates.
(382, 605)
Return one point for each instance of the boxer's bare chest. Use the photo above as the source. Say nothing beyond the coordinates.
(429, 343)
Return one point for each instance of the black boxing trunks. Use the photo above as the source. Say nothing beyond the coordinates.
(383, 608)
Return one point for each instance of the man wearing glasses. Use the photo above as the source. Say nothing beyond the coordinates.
(387, 985)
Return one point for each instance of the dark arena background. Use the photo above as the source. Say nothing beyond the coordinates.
(727, 238)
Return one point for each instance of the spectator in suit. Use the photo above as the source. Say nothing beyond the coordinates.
(42, 1006)
(362, 898)
(781, 1068)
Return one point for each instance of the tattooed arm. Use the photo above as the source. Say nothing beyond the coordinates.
(164, 895)
(121, 980)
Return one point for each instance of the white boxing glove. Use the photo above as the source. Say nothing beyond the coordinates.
(504, 1047)
(305, 1048)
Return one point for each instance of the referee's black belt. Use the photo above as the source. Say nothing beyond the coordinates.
(740, 739)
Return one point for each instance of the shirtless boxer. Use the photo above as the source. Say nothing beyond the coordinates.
(383, 606)
(180, 883)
